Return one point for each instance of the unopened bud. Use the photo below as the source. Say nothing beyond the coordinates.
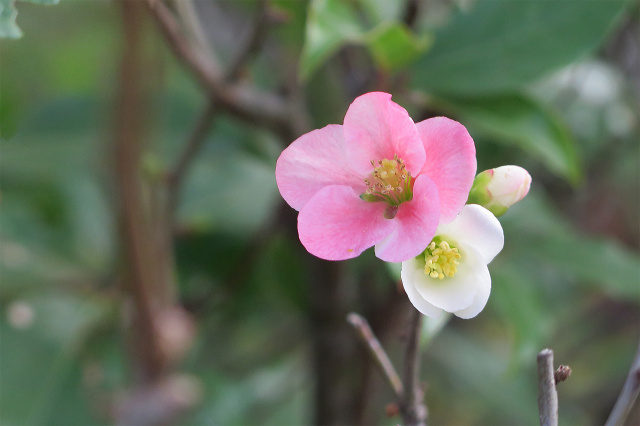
(500, 188)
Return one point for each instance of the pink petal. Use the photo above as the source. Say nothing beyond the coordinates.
(376, 128)
(415, 224)
(450, 163)
(336, 224)
(313, 161)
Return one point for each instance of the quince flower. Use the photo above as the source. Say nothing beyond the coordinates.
(378, 179)
(500, 188)
(451, 274)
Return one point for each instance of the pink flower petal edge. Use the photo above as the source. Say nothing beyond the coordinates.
(313, 161)
(450, 163)
(336, 224)
(375, 128)
(415, 224)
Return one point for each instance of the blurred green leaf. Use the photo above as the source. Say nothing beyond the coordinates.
(502, 44)
(394, 46)
(594, 261)
(330, 24)
(520, 301)
(39, 355)
(235, 194)
(517, 119)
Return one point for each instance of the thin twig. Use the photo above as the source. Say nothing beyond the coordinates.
(245, 102)
(191, 148)
(547, 393)
(189, 17)
(412, 408)
(258, 28)
(411, 11)
(627, 396)
(377, 352)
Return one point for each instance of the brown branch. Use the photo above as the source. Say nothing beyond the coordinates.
(136, 236)
(377, 352)
(628, 395)
(250, 47)
(412, 408)
(191, 148)
(547, 394)
(258, 107)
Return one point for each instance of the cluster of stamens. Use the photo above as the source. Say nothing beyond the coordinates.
(390, 182)
(441, 260)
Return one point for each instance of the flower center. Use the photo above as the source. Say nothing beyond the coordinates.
(390, 182)
(441, 259)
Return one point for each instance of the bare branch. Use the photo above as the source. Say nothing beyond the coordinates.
(136, 235)
(189, 18)
(547, 394)
(192, 147)
(242, 101)
(412, 408)
(258, 28)
(377, 352)
(627, 396)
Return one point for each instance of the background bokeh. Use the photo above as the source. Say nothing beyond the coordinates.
(257, 326)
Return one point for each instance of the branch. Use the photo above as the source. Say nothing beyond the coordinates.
(547, 393)
(259, 107)
(627, 396)
(377, 352)
(192, 147)
(260, 21)
(412, 408)
(136, 236)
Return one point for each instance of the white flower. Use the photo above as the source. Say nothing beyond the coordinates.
(452, 274)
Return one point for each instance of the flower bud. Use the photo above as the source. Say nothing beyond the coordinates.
(500, 188)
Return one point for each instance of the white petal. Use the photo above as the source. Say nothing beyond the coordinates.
(478, 228)
(410, 269)
(453, 293)
(482, 295)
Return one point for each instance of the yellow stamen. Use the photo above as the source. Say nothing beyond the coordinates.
(389, 181)
(441, 260)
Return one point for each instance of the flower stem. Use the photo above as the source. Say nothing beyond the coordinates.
(412, 408)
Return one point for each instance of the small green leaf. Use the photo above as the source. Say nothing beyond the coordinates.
(517, 119)
(394, 46)
(330, 24)
(501, 45)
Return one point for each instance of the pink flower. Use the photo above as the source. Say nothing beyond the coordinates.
(379, 179)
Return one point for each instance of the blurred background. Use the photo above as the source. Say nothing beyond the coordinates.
(152, 274)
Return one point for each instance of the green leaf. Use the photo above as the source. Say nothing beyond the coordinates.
(500, 45)
(514, 118)
(40, 354)
(595, 262)
(330, 24)
(394, 46)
